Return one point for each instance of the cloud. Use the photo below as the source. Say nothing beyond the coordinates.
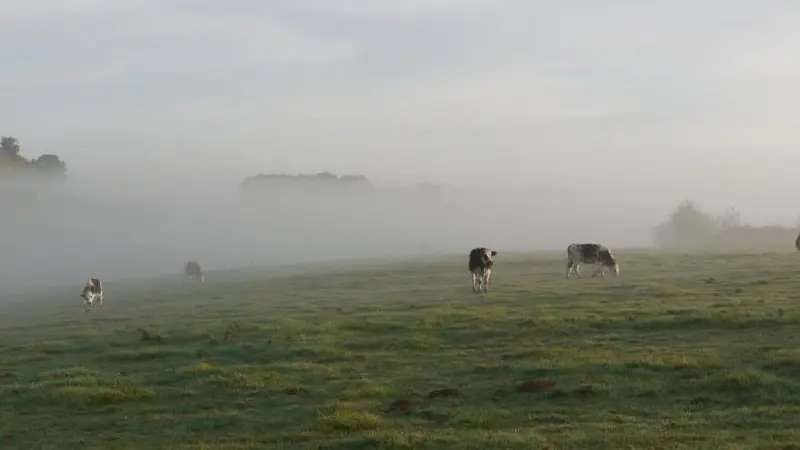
(90, 42)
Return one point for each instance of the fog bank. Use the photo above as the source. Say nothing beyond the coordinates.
(123, 230)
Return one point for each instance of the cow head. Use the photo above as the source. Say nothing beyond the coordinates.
(608, 259)
(88, 293)
(88, 289)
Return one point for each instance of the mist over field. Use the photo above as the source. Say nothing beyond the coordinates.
(543, 123)
(117, 231)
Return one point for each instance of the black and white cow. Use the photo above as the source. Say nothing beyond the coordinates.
(480, 265)
(192, 270)
(596, 254)
(92, 293)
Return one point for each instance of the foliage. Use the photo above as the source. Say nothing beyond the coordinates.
(49, 163)
(14, 164)
(731, 219)
(9, 146)
(657, 359)
(691, 227)
(326, 180)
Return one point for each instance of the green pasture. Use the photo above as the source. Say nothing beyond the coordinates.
(682, 351)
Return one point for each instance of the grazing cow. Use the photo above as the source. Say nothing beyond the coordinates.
(797, 242)
(480, 265)
(92, 293)
(192, 270)
(596, 254)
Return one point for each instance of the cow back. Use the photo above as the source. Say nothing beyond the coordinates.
(93, 286)
(587, 252)
(590, 251)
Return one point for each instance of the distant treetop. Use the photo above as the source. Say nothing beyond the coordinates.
(326, 179)
(13, 164)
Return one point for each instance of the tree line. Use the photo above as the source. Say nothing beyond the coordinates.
(324, 180)
(689, 227)
(14, 164)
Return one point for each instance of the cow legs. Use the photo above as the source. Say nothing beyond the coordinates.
(100, 300)
(600, 269)
(480, 281)
(573, 267)
(576, 268)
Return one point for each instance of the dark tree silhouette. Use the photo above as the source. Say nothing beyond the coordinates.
(278, 182)
(50, 163)
(14, 164)
(9, 146)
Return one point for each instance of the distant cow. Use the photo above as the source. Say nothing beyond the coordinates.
(797, 242)
(480, 265)
(192, 270)
(92, 293)
(596, 254)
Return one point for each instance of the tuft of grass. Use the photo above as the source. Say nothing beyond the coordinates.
(201, 367)
(241, 380)
(745, 380)
(350, 421)
(95, 396)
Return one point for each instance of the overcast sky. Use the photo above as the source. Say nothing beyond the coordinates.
(700, 96)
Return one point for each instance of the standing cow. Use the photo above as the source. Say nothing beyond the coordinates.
(797, 242)
(596, 254)
(92, 293)
(192, 270)
(480, 265)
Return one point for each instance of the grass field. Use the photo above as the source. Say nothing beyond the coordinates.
(660, 358)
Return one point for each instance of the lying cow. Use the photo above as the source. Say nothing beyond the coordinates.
(480, 265)
(192, 270)
(596, 254)
(92, 293)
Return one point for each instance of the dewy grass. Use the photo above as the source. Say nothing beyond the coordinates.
(407, 357)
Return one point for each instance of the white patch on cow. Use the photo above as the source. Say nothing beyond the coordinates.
(480, 280)
(92, 293)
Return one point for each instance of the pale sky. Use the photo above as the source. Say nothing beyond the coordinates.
(698, 95)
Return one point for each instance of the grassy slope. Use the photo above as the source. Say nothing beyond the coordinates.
(655, 359)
